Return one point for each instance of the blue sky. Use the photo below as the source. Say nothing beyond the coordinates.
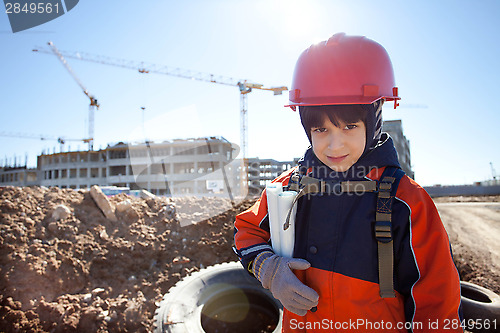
(445, 57)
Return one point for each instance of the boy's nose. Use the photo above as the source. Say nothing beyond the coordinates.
(336, 141)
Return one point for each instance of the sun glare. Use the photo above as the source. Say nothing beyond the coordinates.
(305, 22)
(297, 19)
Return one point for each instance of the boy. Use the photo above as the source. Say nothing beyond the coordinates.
(371, 253)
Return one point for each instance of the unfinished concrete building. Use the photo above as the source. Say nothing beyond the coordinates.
(18, 176)
(395, 130)
(168, 168)
(263, 171)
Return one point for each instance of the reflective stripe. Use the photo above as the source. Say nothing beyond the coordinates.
(255, 249)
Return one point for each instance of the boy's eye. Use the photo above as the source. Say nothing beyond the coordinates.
(318, 129)
(350, 126)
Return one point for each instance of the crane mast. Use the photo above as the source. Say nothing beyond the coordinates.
(93, 101)
(244, 86)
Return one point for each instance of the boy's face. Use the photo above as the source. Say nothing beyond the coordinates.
(339, 147)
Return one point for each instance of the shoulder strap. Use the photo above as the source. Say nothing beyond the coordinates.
(387, 188)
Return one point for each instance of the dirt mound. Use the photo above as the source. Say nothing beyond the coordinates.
(65, 267)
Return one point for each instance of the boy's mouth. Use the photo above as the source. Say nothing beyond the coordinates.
(337, 159)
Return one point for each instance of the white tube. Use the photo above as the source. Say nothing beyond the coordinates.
(272, 192)
(287, 237)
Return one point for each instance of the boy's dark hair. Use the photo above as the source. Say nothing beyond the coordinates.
(313, 116)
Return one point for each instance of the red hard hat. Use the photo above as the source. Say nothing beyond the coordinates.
(343, 70)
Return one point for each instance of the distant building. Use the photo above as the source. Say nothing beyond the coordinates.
(262, 171)
(395, 130)
(184, 166)
(18, 176)
(170, 167)
(467, 190)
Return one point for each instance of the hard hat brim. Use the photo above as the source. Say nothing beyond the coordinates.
(339, 100)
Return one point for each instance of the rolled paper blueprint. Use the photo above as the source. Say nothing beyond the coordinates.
(272, 192)
(287, 237)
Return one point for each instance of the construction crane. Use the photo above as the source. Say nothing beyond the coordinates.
(493, 172)
(61, 140)
(244, 86)
(93, 101)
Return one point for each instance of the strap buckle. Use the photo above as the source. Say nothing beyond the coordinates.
(383, 231)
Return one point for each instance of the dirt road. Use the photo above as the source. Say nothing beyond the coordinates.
(474, 232)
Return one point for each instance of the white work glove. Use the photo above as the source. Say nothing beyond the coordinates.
(275, 273)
